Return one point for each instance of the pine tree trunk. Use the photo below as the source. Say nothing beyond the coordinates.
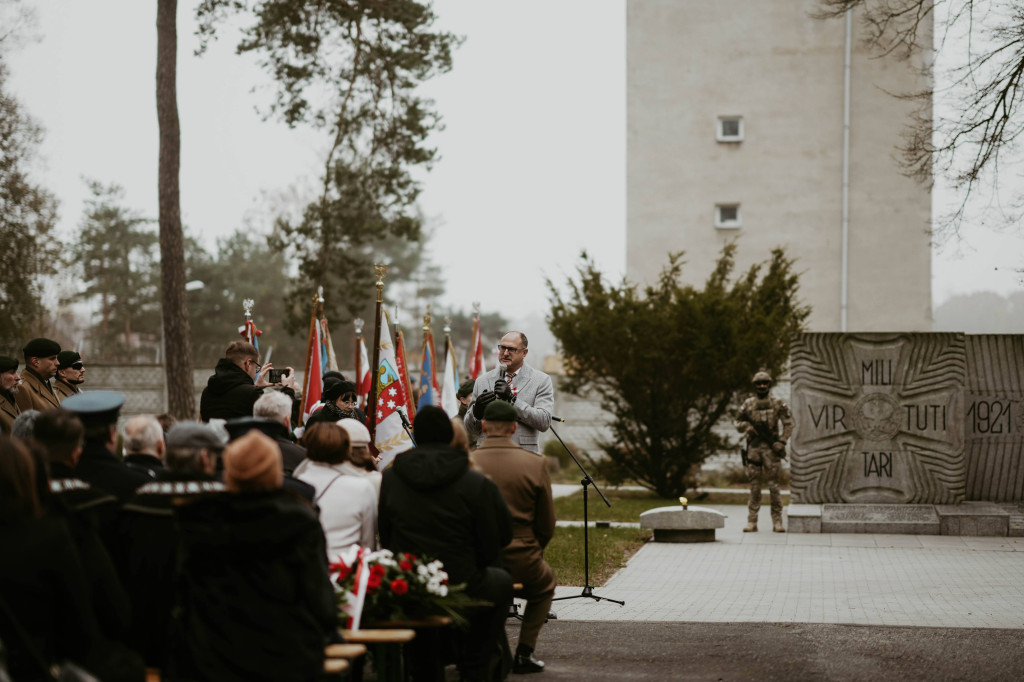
(177, 349)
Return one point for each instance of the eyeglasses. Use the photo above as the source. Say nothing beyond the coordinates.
(348, 399)
(508, 349)
(78, 365)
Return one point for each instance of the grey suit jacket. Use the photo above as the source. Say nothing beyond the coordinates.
(535, 401)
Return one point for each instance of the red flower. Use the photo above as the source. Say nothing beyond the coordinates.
(399, 586)
(405, 565)
(377, 573)
(409, 557)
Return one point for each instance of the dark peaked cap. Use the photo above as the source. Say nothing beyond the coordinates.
(41, 348)
(95, 407)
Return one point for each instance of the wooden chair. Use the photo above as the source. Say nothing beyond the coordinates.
(386, 647)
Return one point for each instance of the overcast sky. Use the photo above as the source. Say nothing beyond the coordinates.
(532, 161)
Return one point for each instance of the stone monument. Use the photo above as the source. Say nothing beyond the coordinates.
(908, 433)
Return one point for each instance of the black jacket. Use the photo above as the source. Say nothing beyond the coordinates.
(255, 599)
(46, 589)
(146, 556)
(432, 503)
(102, 469)
(229, 393)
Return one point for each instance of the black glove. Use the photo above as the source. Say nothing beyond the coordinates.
(503, 391)
(482, 401)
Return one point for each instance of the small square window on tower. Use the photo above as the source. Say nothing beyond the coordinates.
(727, 216)
(730, 129)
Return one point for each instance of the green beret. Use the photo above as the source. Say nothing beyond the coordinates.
(465, 389)
(500, 411)
(8, 363)
(95, 407)
(41, 348)
(66, 358)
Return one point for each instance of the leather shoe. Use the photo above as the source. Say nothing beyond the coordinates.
(525, 664)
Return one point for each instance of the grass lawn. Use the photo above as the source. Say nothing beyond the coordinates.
(610, 549)
(627, 505)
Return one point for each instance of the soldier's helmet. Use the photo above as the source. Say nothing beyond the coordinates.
(761, 377)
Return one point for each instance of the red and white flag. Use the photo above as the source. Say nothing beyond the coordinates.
(476, 359)
(312, 384)
(390, 437)
(363, 374)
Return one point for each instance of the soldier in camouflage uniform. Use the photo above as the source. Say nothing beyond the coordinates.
(765, 448)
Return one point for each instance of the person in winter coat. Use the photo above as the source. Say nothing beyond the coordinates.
(237, 382)
(432, 503)
(255, 598)
(347, 501)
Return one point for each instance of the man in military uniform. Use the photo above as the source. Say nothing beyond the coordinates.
(9, 384)
(40, 366)
(759, 420)
(98, 465)
(70, 374)
(522, 477)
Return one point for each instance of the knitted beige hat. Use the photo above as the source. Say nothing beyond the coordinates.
(252, 463)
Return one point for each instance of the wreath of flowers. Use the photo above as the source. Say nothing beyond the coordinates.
(393, 588)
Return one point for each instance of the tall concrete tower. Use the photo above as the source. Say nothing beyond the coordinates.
(751, 120)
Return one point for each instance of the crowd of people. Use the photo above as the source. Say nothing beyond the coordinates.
(202, 548)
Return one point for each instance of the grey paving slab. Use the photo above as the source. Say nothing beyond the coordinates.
(895, 580)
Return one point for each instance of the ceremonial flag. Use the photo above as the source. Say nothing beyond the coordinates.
(476, 360)
(390, 437)
(430, 392)
(449, 401)
(328, 360)
(362, 372)
(403, 371)
(313, 380)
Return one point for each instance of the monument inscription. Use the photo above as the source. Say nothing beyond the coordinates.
(879, 418)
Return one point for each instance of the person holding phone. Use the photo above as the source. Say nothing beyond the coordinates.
(237, 382)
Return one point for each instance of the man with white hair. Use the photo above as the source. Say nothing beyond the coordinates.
(144, 445)
(277, 407)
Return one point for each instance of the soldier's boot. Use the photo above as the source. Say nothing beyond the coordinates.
(750, 527)
(777, 526)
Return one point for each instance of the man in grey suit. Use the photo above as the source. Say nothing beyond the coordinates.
(527, 389)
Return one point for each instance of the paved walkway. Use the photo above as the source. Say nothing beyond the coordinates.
(896, 580)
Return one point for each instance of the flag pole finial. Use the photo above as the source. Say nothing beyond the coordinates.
(426, 320)
(381, 271)
(358, 322)
(247, 305)
(447, 325)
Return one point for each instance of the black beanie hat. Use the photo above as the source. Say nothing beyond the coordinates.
(336, 389)
(432, 426)
(8, 363)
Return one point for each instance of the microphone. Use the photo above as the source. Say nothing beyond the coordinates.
(556, 419)
(405, 420)
(501, 372)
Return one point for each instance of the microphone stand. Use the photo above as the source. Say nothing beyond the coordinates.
(406, 426)
(588, 589)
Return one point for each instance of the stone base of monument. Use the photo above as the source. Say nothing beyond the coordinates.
(675, 524)
(966, 519)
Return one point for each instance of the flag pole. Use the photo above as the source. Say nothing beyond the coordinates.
(358, 324)
(371, 406)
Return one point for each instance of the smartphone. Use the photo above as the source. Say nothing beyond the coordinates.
(274, 376)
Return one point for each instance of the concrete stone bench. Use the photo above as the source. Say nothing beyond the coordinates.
(675, 524)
